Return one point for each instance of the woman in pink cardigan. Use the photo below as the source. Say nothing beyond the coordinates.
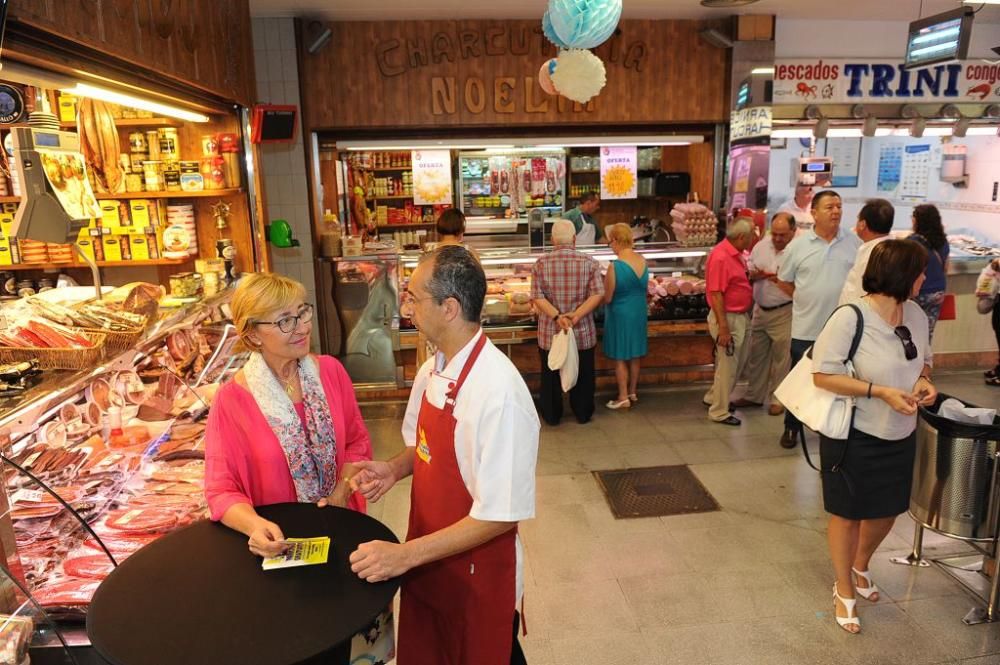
(287, 427)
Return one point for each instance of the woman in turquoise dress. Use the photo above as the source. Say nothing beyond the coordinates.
(625, 314)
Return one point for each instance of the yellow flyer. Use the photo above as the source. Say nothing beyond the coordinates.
(300, 552)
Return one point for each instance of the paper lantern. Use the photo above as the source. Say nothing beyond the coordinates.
(545, 76)
(579, 76)
(550, 32)
(583, 24)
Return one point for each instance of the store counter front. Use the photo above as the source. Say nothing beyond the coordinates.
(967, 341)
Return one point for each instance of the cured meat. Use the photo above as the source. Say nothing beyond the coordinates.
(162, 501)
(36, 511)
(141, 520)
(99, 143)
(121, 545)
(66, 593)
(95, 567)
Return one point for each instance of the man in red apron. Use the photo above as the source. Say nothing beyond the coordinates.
(472, 441)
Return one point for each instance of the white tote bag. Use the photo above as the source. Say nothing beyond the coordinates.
(570, 369)
(820, 410)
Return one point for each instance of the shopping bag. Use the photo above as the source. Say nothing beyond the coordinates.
(557, 352)
(948, 312)
(570, 369)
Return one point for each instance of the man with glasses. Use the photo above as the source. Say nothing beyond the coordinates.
(471, 435)
(771, 327)
(813, 272)
(799, 207)
(728, 291)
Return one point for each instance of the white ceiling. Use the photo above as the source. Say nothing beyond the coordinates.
(384, 10)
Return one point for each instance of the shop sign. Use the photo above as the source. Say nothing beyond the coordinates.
(619, 172)
(431, 177)
(749, 124)
(821, 81)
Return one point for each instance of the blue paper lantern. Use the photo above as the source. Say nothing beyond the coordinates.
(550, 32)
(583, 24)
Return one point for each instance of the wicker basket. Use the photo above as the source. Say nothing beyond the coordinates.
(58, 358)
(116, 342)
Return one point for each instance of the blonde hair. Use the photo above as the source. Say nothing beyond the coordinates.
(259, 294)
(620, 233)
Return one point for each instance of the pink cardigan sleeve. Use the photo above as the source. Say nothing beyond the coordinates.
(223, 488)
(356, 444)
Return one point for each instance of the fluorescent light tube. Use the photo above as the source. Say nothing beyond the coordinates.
(87, 90)
(797, 133)
(762, 70)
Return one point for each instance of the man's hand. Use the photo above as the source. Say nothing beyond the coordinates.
(373, 479)
(724, 339)
(378, 560)
(265, 539)
(565, 322)
(758, 275)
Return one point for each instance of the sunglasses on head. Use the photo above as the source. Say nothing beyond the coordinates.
(909, 348)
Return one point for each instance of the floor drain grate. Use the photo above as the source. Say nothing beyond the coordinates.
(655, 491)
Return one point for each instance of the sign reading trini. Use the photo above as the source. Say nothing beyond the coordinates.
(873, 81)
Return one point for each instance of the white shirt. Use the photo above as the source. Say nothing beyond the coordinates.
(852, 285)
(765, 258)
(496, 433)
(803, 216)
(880, 358)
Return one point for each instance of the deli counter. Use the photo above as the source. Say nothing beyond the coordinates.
(361, 324)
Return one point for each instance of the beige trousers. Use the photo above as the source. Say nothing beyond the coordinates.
(770, 351)
(727, 367)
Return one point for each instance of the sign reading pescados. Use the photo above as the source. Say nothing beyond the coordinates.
(853, 81)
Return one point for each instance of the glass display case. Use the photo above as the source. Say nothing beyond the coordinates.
(98, 463)
(497, 187)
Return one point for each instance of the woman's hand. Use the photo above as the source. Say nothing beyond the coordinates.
(342, 492)
(373, 479)
(925, 392)
(900, 400)
(266, 539)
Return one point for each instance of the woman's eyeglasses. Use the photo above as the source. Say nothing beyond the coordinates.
(287, 324)
(909, 348)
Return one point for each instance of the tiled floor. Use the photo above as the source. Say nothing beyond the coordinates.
(747, 585)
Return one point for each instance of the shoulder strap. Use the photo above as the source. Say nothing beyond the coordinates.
(858, 331)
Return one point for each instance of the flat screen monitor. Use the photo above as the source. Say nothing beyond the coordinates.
(939, 38)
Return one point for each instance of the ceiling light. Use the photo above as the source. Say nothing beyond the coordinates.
(961, 127)
(103, 94)
(917, 127)
(992, 111)
(760, 71)
(909, 111)
(981, 2)
(937, 131)
(870, 127)
(523, 145)
(727, 4)
(844, 133)
(983, 131)
(792, 133)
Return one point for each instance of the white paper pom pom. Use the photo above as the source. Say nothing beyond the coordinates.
(579, 75)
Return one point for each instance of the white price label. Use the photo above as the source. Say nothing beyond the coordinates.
(28, 496)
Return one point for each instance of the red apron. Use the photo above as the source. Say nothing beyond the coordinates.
(458, 610)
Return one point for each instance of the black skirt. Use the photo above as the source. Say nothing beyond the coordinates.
(873, 479)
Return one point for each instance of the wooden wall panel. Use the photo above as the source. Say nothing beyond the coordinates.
(399, 75)
(202, 43)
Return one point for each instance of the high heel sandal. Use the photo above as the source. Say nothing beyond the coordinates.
(621, 404)
(632, 397)
(850, 606)
(871, 590)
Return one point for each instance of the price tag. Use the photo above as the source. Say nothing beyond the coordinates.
(28, 496)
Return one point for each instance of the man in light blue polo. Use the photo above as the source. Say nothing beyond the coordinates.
(815, 266)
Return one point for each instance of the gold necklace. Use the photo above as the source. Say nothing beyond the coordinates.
(289, 384)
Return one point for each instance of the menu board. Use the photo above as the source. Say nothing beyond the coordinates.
(915, 178)
(432, 177)
(619, 172)
(890, 167)
(846, 155)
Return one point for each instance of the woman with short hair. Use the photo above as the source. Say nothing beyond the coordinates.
(871, 471)
(929, 232)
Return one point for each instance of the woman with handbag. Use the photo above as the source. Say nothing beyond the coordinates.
(870, 473)
(928, 231)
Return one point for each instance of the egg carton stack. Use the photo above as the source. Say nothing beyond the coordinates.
(183, 215)
(694, 225)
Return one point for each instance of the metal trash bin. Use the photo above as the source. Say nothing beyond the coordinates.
(952, 475)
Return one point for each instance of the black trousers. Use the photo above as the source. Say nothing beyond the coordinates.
(581, 396)
(516, 654)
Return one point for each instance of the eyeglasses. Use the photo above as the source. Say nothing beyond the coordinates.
(410, 302)
(909, 348)
(287, 324)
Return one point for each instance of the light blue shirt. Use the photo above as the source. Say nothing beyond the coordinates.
(818, 269)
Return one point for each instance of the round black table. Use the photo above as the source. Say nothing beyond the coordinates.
(199, 596)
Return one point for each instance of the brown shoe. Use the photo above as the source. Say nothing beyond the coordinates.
(789, 439)
(742, 403)
(775, 409)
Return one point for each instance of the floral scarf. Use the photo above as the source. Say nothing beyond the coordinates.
(311, 452)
